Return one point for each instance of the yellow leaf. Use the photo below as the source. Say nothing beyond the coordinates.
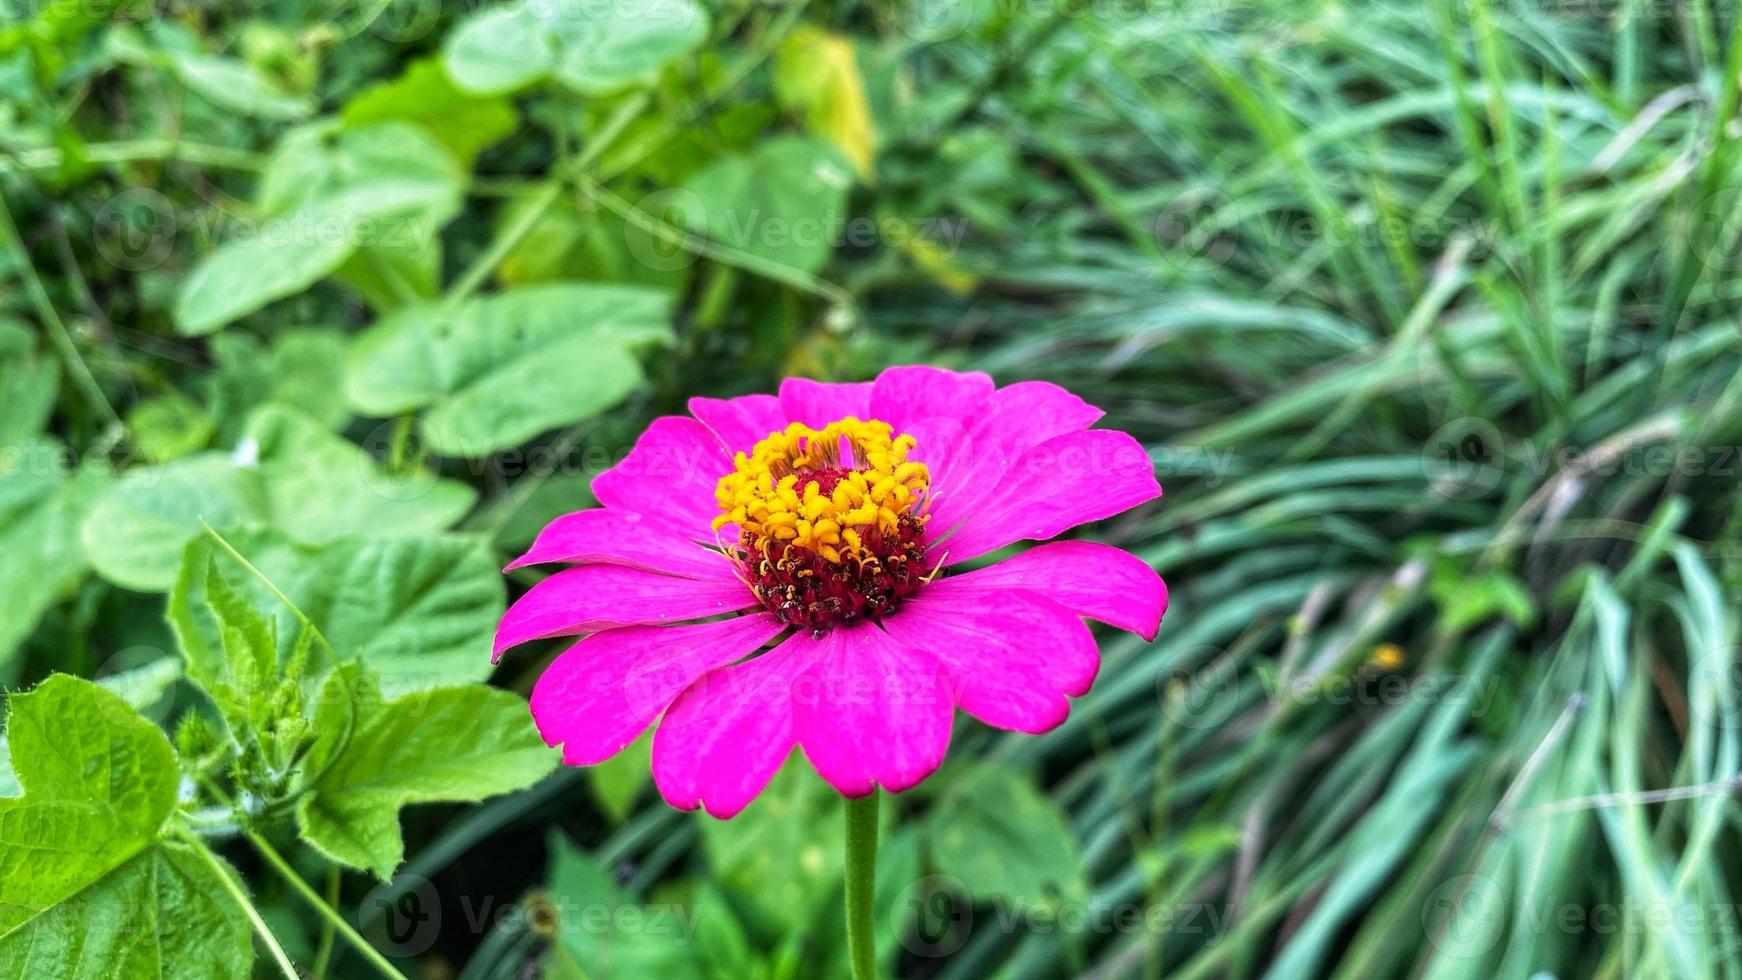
(816, 72)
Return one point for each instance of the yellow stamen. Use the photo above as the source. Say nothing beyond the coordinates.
(774, 493)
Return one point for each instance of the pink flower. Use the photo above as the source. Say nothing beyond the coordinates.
(779, 571)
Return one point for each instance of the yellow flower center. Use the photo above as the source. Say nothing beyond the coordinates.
(829, 520)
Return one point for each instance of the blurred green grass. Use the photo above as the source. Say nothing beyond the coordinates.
(1428, 314)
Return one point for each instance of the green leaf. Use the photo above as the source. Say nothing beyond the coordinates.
(169, 427)
(604, 931)
(141, 688)
(243, 275)
(994, 830)
(490, 372)
(1467, 600)
(234, 84)
(302, 368)
(288, 473)
(612, 46)
(386, 187)
(618, 781)
(817, 73)
(784, 202)
(29, 381)
(594, 49)
(232, 653)
(91, 887)
(423, 94)
(500, 50)
(42, 506)
(457, 744)
(782, 856)
(419, 611)
(320, 487)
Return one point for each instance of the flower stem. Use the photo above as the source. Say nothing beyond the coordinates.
(862, 884)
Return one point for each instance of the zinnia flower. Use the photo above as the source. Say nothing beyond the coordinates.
(778, 571)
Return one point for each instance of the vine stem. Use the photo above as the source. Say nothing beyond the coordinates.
(266, 937)
(333, 918)
(862, 883)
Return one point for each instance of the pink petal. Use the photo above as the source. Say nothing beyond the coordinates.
(1012, 657)
(742, 422)
(1069, 480)
(1095, 580)
(600, 597)
(669, 477)
(727, 734)
(968, 464)
(904, 395)
(869, 714)
(817, 403)
(612, 537)
(605, 690)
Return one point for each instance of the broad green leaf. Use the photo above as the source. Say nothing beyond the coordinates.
(384, 170)
(424, 94)
(993, 829)
(784, 202)
(321, 487)
(91, 887)
(141, 688)
(611, 46)
(162, 914)
(594, 49)
(288, 473)
(135, 534)
(169, 427)
(577, 240)
(457, 744)
(389, 186)
(302, 368)
(234, 84)
(500, 50)
(817, 73)
(419, 611)
(245, 274)
(42, 506)
(29, 381)
(493, 372)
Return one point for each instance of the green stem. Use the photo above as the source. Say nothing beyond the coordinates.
(51, 323)
(862, 884)
(266, 937)
(334, 919)
(546, 198)
(324, 951)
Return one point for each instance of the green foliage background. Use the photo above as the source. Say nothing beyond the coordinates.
(313, 313)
